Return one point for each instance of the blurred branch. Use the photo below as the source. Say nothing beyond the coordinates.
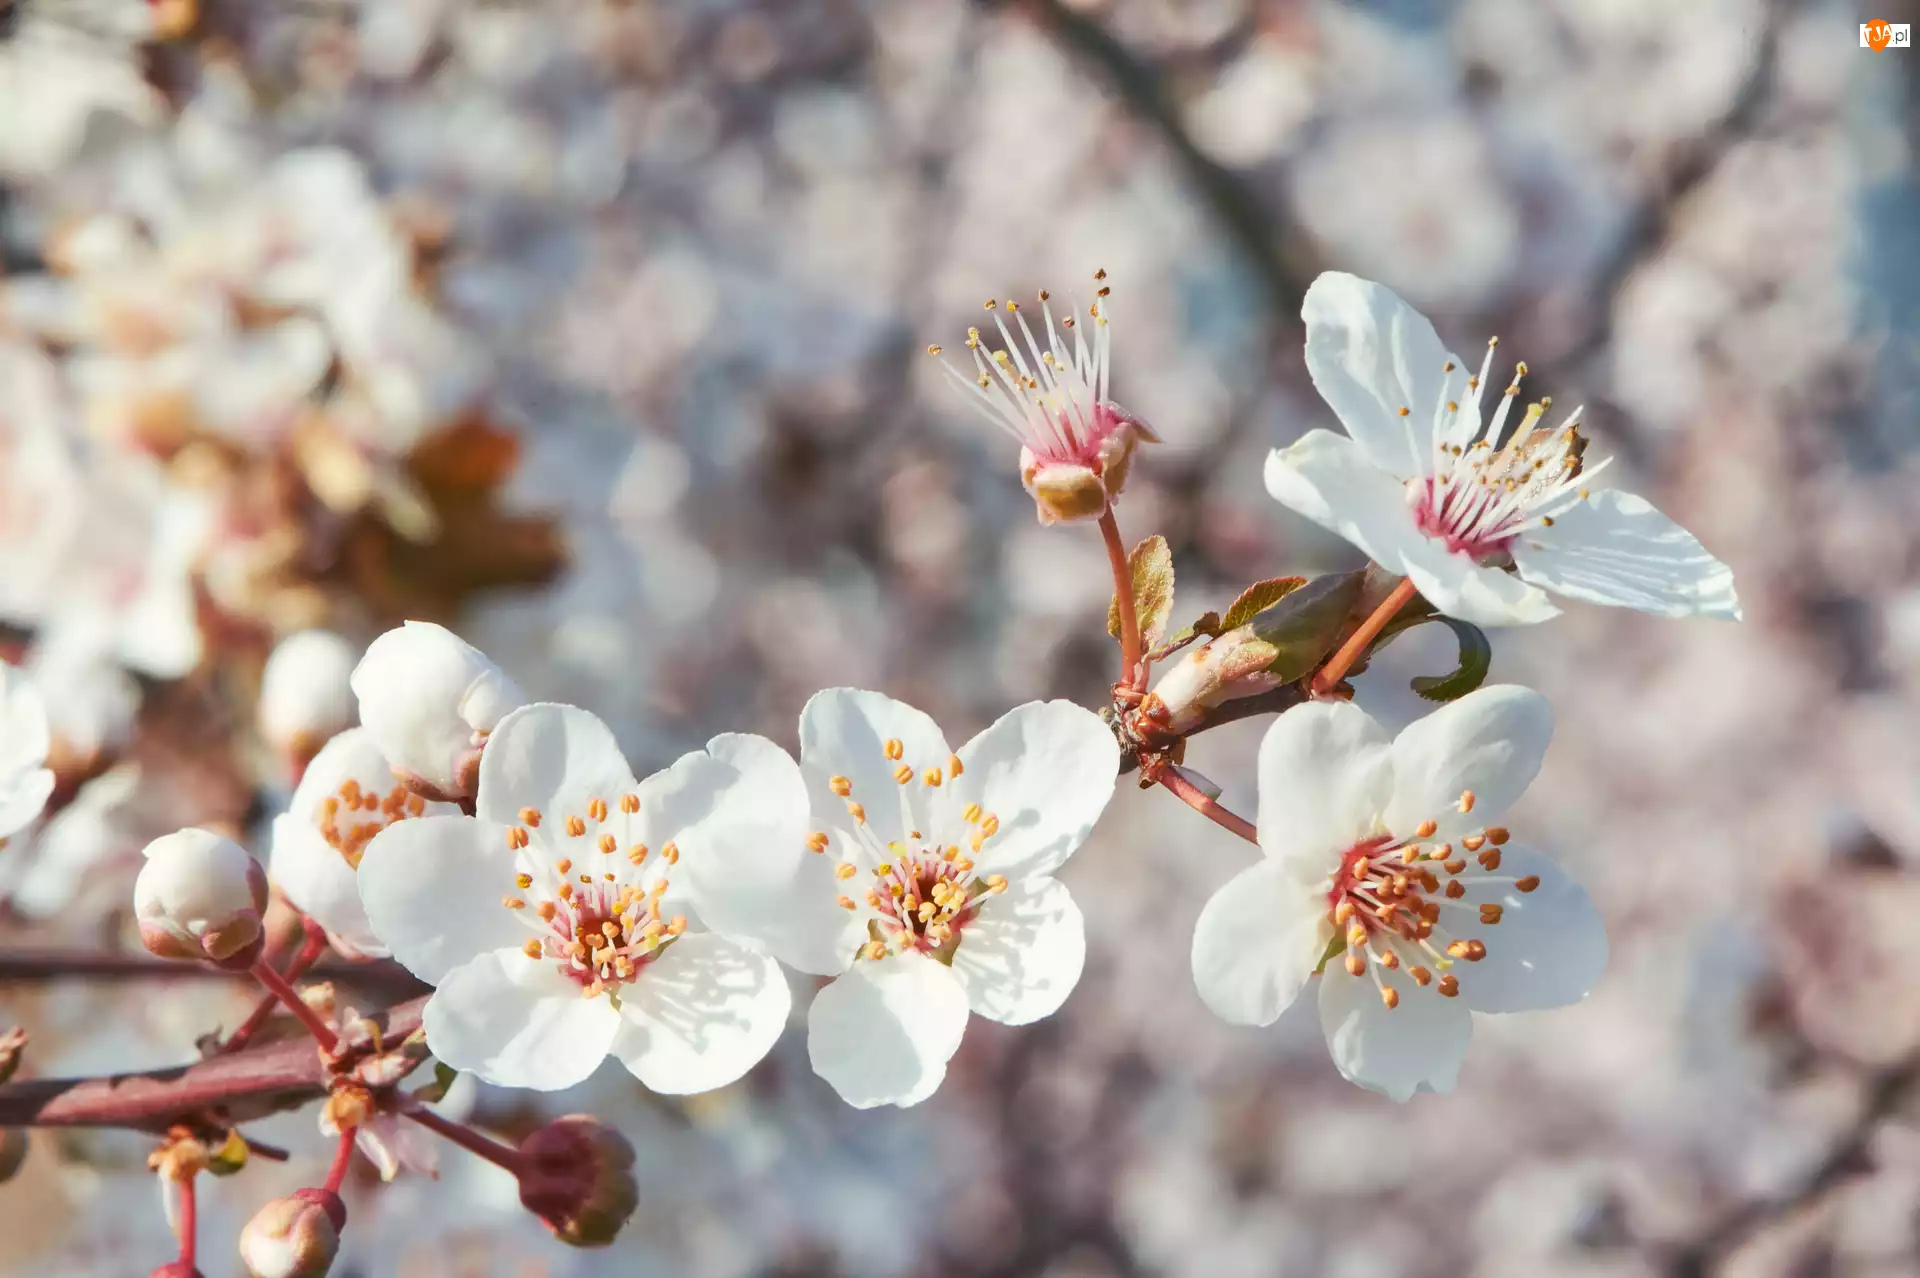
(1888, 1091)
(244, 1085)
(19, 966)
(1276, 252)
(1649, 227)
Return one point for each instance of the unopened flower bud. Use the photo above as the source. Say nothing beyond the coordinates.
(200, 896)
(429, 698)
(1220, 670)
(1081, 482)
(579, 1179)
(294, 1237)
(305, 694)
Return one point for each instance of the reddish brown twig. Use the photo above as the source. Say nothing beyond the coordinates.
(1127, 606)
(1210, 808)
(311, 948)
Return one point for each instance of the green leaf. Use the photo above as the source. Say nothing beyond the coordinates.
(1305, 625)
(1152, 566)
(436, 1091)
(1476, 658)
(1259, 597)
(1207, 624)
(1335, 948)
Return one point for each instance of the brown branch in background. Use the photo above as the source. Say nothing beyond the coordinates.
(1888, 1091)
(240, 1086)
(387, 981)
(1278, 254)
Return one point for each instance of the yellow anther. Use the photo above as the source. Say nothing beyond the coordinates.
(1361, 866)
(565, 865)
(1390, 960)
(876, 949)
(1425, 830)
(1466, 800)
(672, 852)
(1529, 883)
(1405, 411)
(933, 349)
(546, 910)
(846, 903)
(531, 949)
(932, 777)
(858, 813)
(677, 925)
(903, 774)
(516, 837)
(523, 881)
(1490, 914)
(576, 827)
(1489, 859)
(1356, 937)
(530, 817)
(817, 841)
(1421, 976)
(841, 786)
(566, 891)
(883, 869)
(896, 749)
(637, 853)
(513, 903)
(1356, 966)
(1390, 996)
(954, 766)
(845, 870)
(1459, 949)
(629, 803)
(990, 826)
(1450, 986)
(1498, 834)
(971, 812)
(1455, 889)
(609, 845)
(1473, 842)
(597, 809)
(1343, 912)
(996, 883)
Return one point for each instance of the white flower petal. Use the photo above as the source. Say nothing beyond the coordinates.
(1372, 355)
(432, 889)
(844, 731)
(1417, 1046)
(320, 883)
(1489, 742)
(1459, 587)
(1332, 481)
(1616, 548)
(24, 740)
(701, 1014)
(1550, 946)
(750, 873)
(553, 759)
(1324, 780)
(22, 797)
(1021, 955)
(517, 1022)
(882, 1034)
(1046, 770)
(1258, 942)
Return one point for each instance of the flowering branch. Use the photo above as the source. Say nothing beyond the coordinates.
(260, 1080)
(473, 1142)
(278, 986)
(314, 944)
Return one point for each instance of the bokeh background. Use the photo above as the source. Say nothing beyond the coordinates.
(596, 329)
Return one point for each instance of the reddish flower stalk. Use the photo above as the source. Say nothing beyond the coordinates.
(277, 985)
(1342, 661)
(472, 1141)
(342, 1159)
(189, 1222)
(312, 947)
(1195, 798)
(1130, 650)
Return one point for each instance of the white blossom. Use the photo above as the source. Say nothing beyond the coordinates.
(1435, 491)
(1392, 848)
(550, 924)
(200, 895)
(25, 784)
(305, 694)
(921, 879)
(429, 698)
(346, 796)
(1051, 397)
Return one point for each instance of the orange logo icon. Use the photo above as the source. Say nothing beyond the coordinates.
(1879, 33)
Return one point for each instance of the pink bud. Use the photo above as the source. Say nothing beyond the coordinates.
(294, 1237)
(579, 1179)
(200, 896)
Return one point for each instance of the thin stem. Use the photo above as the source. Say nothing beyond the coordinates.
(342, 1158)
(1130, 651)
(1195, 798)
(189, 1222)
(311, 948)
(470, 1140)
(277, 985)
(1342, 661)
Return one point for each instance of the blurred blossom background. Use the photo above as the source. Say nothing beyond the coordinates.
(596, 330)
